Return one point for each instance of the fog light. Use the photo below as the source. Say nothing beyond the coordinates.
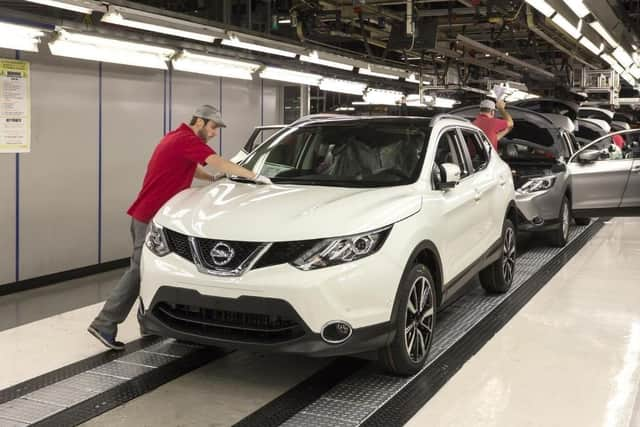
(336, 332)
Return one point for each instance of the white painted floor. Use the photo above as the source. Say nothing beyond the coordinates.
(570, 357)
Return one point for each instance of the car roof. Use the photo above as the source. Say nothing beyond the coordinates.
(523, 103)
(339, 118)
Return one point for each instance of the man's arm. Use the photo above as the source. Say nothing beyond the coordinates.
(225, 166)
(507, 117)
(203, 174)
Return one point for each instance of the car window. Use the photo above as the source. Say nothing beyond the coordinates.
(448, 151)
(349, 154)
(475, 148)
(618, 146)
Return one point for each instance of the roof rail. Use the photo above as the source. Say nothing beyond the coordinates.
(448, 116)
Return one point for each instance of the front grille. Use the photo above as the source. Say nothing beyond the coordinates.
(178, 243)
(229, 325)
(242, 251)
(285, 252)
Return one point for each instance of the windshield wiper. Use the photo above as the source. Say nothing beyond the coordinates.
(241, 179)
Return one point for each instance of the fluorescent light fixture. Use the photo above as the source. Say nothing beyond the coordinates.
(94, 48)
(578, 7)
(369, 72)
(284, 21)
(629, 78)
(314, 58)
(413, 78)
(290, 76)
(214, 66)
(543, 7)
(440, 102)
(381, 96)
(591, 46)
(566, 26)
(19, 37)
(635, 71)
(623, 57)
(72, 6)
(160, 24)
(343, 86)
(234, 41)
(636, 57)
(604, 33)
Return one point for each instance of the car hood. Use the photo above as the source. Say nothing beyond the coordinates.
(231, 210)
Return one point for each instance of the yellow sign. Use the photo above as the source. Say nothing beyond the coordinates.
(15, 107)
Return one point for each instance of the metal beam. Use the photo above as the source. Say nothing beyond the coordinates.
(483, 64)
(504, 57)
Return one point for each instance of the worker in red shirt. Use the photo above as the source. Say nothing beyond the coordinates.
(176, 160)
(494, 128)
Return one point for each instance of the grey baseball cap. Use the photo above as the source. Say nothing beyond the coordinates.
(488, 104)
(210, 113)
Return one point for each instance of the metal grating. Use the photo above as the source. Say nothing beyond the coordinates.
(27, 411)
(121, 370)
(355, 399)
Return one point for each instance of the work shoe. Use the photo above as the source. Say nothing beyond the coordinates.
(107, 340)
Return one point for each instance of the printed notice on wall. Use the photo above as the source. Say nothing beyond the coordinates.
(15, 120)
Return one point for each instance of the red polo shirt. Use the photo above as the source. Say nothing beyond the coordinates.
(491, 127)
(170, 170)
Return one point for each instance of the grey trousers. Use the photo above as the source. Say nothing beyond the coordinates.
(123, 296)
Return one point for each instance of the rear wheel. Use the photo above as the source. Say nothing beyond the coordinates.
(498, 277)
(560, 235)
(415, 322)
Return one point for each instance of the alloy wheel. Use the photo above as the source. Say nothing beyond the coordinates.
(508, 255)
(419, 319)
(565, 221)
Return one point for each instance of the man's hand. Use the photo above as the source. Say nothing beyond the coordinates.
(261, 179)
(500, 105)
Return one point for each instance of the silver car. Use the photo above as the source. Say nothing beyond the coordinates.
(606, 176)
(538, 149)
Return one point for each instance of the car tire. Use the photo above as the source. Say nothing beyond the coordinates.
(408, 351)
(498, 277)
(560, 235)
(582, 221)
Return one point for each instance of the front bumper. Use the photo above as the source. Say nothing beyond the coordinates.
(252, 323)
(538, 211)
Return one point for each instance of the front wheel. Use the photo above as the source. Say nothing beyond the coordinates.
(415, 322)
(498, 277)
(560, 236)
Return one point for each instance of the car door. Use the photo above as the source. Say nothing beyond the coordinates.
(460, 213)
(486, 191)
(631, 197)
(598, 187)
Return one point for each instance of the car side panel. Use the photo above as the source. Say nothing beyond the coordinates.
(631, 197)
(599, 185)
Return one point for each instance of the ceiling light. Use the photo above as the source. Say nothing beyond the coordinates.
(623, 57)
(314, 58)
(369, 72)
(591, 46)
(160, 24)
(214, 66)
(578, 7)
(19, 37)
(342, 86)
(93, 48)
(629, 78)
(75, 6)
(604, 33)
(566, 26)
(635, 71)
(611, 61)
(234, 41)
(440, 102)
(543, 7)
(290, 76)
(381, 96)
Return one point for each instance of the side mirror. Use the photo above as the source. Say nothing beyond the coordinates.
(589, 156)
(450, 175)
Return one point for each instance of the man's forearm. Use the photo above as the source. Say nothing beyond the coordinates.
(203, 174)
(225, 166)
(506, 116)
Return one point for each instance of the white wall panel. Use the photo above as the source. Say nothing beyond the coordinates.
(58, 179)
(189, 91)
(7, 207)
(132, 125)
(272, 109)
(241, 112)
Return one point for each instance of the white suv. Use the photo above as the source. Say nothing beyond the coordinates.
(371, 225)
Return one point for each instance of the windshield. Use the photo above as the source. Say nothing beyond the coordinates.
(349, 154)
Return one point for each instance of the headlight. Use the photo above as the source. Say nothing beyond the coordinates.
(156, 241)
(342, 249)
(538, 184)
